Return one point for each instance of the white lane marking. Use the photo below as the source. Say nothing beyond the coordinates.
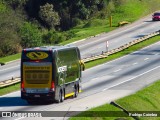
(19, 118)
(135, 63)
(124, 56)
(141, 31)
(119, 32)
(146, 58)
(152, 26)
(117, 70)
(156, 54)
(131, 78)
(10, 68)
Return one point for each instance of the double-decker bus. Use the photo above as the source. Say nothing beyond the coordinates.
(50, 73)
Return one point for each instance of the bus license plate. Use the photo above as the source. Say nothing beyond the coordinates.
(36, 95)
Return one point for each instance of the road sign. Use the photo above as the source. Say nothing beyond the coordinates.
(107, 45)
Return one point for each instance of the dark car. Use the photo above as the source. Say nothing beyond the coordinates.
(156, 16)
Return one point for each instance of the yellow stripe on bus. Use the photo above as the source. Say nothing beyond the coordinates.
(80, 91)
(70, 94)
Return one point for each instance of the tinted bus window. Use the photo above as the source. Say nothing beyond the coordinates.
(37, 55)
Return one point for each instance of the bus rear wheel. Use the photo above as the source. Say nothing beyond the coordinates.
(75, 91)
(32, 102)
(61, 97)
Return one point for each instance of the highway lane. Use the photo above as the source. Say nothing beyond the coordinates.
(101, 84)
(96, 45)
(126, 68)
(118, 39)
(9, 71)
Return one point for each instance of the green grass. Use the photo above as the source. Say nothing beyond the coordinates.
(130, 11)
(9, 89)
(105, 112)
(10, 58)
(146, 99)
(81, 33)
(124, 52)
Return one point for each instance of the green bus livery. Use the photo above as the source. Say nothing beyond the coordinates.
(50, 73)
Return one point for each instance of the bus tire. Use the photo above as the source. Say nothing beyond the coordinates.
(31, 102)
(75, 91)
(61, 97)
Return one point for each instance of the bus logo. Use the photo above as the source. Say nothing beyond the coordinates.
(37, 55)
(62, 69)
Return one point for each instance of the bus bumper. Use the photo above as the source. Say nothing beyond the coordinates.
(38, 96)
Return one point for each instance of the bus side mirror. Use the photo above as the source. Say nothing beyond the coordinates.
(82, 65)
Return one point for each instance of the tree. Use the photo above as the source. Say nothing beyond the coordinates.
(49, 16)
(31, 36)
(62, 14)
(9, 42)
(9, 38)
(84, 12)
(110, 7)
(16, 3)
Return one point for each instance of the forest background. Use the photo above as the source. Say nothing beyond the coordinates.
(31, 23)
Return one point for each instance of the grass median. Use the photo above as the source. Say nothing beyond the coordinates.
(143, 102)
(9, 89)
(6, 59)
(97, 62)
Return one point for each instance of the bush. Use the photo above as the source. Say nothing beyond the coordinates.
(9, 42)
(3, 8)
(16, 3)
(53, 37)
(94, 23)
(76, 21)
(60, 38)
(50, 37)
(69, 35)
(9, 27)
(31, 36)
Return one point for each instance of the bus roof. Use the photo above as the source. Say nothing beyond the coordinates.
(47, 48)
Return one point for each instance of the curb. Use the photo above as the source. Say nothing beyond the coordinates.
(11, 61)
(4, 63)
(9, 82)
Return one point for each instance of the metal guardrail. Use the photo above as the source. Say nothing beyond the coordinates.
(96, 57)
(106, 54)
(9, 82)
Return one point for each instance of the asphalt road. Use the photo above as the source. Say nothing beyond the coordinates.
(117, 38)
(101, 84)
(10, 70)
(96, 45)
